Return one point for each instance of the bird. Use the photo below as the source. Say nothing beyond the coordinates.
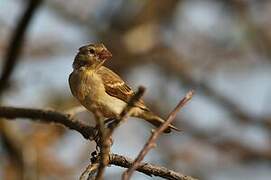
(100, 89)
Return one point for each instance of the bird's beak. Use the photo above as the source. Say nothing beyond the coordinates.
(105, 54)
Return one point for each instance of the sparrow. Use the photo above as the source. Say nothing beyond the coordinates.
(98, 88)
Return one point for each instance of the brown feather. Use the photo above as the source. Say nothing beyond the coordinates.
(116, 87)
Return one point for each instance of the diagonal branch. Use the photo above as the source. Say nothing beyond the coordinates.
(11, 58)
(151, 141)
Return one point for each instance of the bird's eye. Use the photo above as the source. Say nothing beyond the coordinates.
(91, 51)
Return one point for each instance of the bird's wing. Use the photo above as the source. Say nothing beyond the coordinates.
(116, 87)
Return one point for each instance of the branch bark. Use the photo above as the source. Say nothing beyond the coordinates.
(48, 116)
(147, 168)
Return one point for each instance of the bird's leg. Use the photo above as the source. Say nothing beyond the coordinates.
(110, 122)
(94, 155)
(97, 139)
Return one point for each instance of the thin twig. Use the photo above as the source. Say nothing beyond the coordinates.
(106, 133)
(151, 141)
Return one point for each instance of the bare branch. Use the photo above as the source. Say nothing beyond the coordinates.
(48, 116)
(151, 141)
(148, 169)
(88, 133)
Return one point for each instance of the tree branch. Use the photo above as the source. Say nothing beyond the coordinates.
(88, 132)
(151, 141)
(48, 116)
(148, 169)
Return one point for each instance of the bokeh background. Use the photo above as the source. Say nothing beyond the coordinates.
(222, 49)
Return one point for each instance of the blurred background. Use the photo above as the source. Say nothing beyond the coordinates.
(222, 49)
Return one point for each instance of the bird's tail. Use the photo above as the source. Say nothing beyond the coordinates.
(156, 120)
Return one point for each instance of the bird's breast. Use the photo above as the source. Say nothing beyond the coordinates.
(88, 88)
(85, 84)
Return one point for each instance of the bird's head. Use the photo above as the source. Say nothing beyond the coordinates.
(91, 55)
